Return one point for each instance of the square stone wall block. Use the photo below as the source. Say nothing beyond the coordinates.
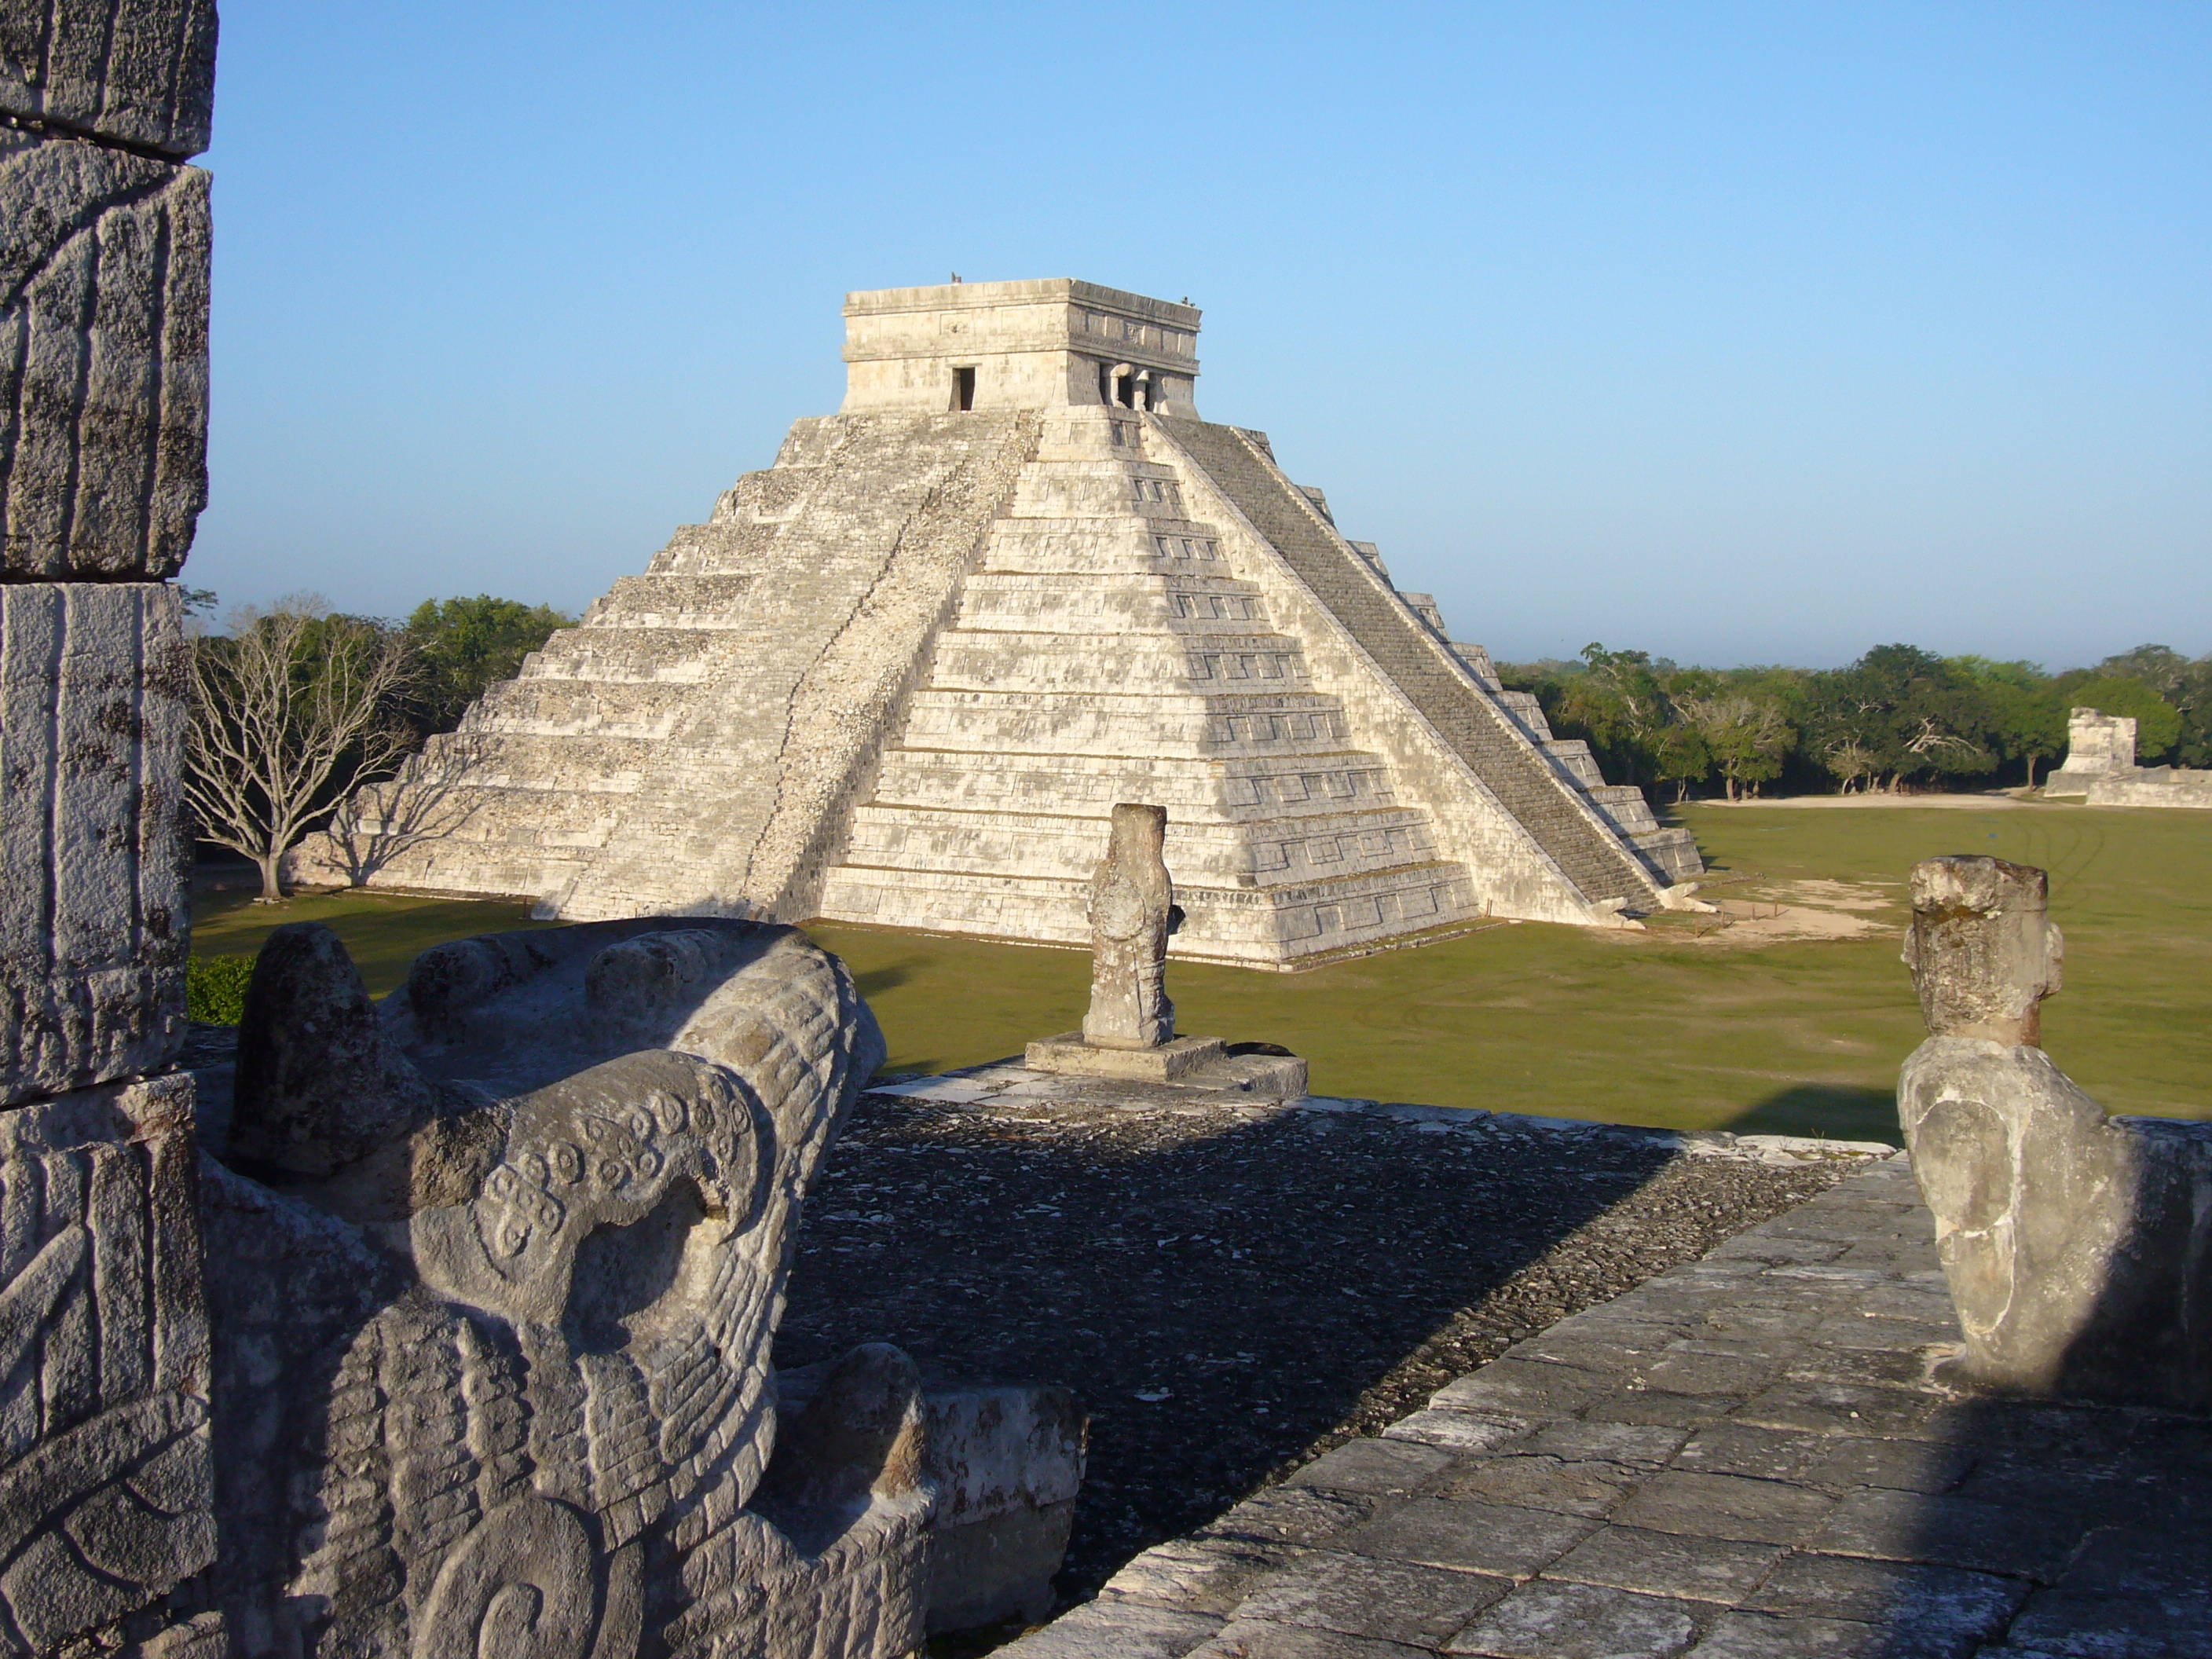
(142, 71)
(103, 359)
(104, 1475)
(94, 926)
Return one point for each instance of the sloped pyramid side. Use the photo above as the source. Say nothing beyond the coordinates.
(904, 675)
(696, 745)
(1498, 793)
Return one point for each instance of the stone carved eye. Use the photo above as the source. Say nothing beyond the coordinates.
(511, 1235)
(568, 1163)
(532, 1169)
(668, 1111)
(611, 1174)
(502, 1185)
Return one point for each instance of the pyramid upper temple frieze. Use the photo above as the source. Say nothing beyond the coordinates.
(1053, 344)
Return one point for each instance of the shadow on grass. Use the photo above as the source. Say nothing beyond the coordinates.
(876, 981)
(1840, 1111)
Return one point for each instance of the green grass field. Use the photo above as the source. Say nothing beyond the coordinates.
(1677, 1026)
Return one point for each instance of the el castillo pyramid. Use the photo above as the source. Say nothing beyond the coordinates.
(902, 676)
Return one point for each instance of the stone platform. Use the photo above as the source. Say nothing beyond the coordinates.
(1741, 1458)
(1186, 1062)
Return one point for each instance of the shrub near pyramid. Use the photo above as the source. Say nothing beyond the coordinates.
(903, 676)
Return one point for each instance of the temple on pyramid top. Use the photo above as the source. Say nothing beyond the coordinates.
(1056, 344)
(903, 676)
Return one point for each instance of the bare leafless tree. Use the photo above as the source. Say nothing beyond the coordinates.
(291, 709)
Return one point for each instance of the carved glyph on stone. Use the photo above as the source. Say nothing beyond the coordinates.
(139, 70)
(105, 1500)
(535, 1212)
(93, 852)
(2073, 1242)
(103, 359)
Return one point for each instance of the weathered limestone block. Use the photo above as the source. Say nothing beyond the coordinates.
(492, 1325)
(139, 71)
(1132, 911)
(103, 359)
(93, 852)
(2099, 746)
(2073, 1244)
(105, 1500)
(1129, 1030)
(1006, 1464)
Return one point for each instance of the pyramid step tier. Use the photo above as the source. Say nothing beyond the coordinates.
(1265, 927)
(1315, 846)
(1214, 724)
(1192, 788)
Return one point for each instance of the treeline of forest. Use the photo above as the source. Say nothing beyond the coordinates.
(1898, 718)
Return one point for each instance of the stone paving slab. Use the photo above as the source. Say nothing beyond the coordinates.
(1743, 1458)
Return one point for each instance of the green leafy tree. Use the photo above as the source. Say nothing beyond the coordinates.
(2026, 708)
(1904, 711)
(1618, 704)
(1747, 736)
(462, 646)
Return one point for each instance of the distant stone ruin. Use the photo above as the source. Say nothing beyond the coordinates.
(2075, 1244)
(900, 678)
(2100, 767)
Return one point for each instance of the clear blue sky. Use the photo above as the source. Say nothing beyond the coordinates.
(1737, 332)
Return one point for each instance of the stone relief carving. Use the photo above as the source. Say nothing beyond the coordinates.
(103, 1453)
(535, 1215)
(1132, 912)
(2073, 1244)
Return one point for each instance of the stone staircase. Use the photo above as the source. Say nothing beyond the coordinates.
(1536, 792)
(1106, 651)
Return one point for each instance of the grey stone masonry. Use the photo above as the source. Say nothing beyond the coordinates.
(2075, 1243)
(103, 359)
(137, 72)
(2100, 766)
(105, 1468)
(1742, 1459)
(92, 854)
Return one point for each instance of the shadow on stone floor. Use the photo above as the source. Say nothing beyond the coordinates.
(1226, 1300)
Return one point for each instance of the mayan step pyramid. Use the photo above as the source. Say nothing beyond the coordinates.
(902, 676)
